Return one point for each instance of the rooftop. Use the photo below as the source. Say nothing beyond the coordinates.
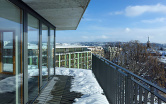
(71, 46)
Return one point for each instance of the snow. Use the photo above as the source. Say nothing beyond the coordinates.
(163, 53)
(85, 83)
(9, 84)
(92, 99)
(162, 59)
(148, 99)
(8, 67)
(33, 71)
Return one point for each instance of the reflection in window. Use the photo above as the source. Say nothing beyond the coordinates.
(7, 53)
(33, 52)
(10, 51)
(51, 52)
(44, 54)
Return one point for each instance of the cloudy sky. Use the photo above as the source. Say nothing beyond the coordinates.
(120, 20)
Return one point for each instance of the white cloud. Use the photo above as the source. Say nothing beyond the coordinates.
(127, 34)
(95, 37)
(156, 34)
(116, 13)
(100, 33)
(111, 13)
(127, 29)
(139, 10)
(90, 20)
(154, 20)
(104, 37)
(85, 37)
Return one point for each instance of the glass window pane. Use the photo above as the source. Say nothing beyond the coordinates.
(7, 53)
(44, 54)
(10, 53)
(33, 52)
(51, 52)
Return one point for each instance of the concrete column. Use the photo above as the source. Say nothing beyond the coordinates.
(78, 63)
(74, 59)
(69, 60)
(81, 61)
(30, 59)
(59, 60)
(65, 61)
(37, 60)
(87, 60)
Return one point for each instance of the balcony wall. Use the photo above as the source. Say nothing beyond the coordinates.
(76, 59)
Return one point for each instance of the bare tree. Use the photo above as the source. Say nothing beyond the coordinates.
(135, 57)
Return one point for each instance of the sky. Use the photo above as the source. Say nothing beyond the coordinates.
(119, 20)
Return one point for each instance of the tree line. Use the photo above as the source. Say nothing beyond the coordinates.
(140, 60)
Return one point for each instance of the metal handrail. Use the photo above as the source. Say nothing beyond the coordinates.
(129, 80)
(134, 75)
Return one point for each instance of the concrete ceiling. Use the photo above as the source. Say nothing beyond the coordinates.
(63, 14)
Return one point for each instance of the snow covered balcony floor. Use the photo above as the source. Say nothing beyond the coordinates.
(72, 86)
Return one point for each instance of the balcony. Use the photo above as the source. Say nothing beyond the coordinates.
(28, 56)
(71, 85)
(119, 85)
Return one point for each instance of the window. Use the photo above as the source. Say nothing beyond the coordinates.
(10, 53)
(33, 53)
(52, 51)
(44, 54)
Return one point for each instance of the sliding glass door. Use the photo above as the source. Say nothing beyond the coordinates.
(24, 53)
(33, 57)
(52, 52)
(44, 54)
(10, 53)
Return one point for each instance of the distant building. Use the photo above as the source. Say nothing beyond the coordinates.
(98, 50)
(148, 43)
(73, 57)
(114, 51)
(152, 50)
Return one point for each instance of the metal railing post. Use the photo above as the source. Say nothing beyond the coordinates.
(127, 89)
(152, 96)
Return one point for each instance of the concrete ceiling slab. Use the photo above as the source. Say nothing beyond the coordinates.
(63, 14)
